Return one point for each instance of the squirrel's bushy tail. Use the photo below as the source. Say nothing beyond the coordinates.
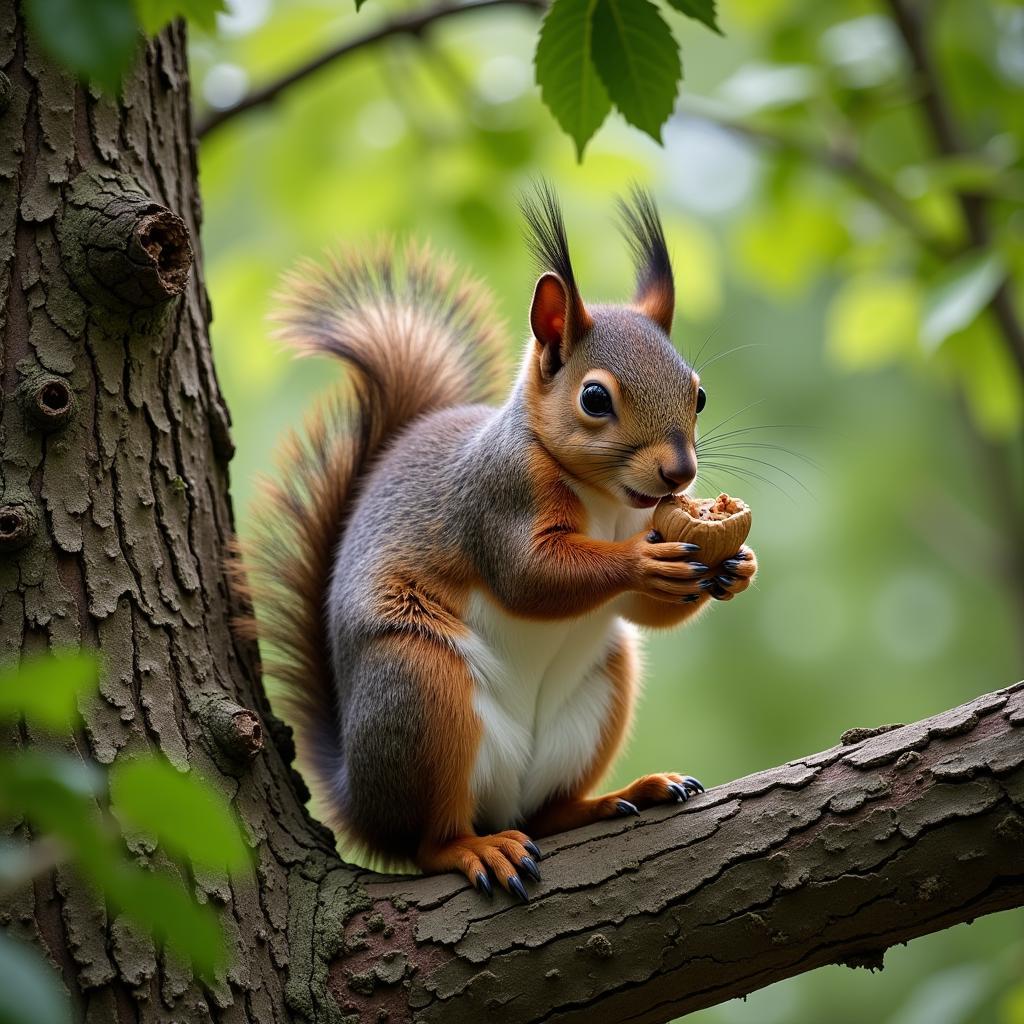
(415, 338)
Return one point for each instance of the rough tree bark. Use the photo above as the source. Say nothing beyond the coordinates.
(894, 833)
(114, 518)
(114, 521)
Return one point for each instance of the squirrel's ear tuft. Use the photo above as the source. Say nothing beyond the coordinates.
(655, 289)
(556, 299)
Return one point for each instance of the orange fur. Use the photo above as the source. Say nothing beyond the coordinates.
(576, 573)
(474, 855)
(451, 734)
(658, 304)
(423, 607)
(655, 614)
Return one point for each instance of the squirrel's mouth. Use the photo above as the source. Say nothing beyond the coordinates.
(638, 500)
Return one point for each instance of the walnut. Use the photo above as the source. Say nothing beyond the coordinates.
(719, 525)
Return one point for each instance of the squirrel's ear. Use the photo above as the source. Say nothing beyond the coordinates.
(548, 311)
(554, 321)
(657, 302)
(655, 295)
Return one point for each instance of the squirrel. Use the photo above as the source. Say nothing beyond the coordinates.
(450, 586)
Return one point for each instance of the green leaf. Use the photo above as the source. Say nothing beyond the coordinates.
(983, 367)
(153, 15)
(568, 82)
(30, 991)
(872, 320)
(94, 40)
(164, 908)
(185, 814)
(47, 786)
(700, 10)
(961, 292)
(638, 61)
(45, 689)
(58, 794)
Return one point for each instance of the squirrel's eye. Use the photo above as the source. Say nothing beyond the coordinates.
(595, 400)
(702, 399)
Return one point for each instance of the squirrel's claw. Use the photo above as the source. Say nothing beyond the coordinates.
(661, 788)
(529, 865)
(516, 886)
(732, 576)
(693, 785)
(533, 849)
(486, 859)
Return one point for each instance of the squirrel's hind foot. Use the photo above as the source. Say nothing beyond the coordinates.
(505, 855)
(661, 788)
(647, 791)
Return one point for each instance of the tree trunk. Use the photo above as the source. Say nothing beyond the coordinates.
(114, 520)
(114, 524)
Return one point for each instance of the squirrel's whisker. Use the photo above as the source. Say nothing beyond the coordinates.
(766, 445)
(769, 465)
(739, 412)
(745, 473)
(711, 360)
(713, 435)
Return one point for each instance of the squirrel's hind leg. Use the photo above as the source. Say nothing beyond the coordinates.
(411, 749)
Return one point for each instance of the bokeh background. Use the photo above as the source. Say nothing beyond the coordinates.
(813, 231)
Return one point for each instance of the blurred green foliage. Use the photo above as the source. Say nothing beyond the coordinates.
(97, 40)
(56, 808)
(820, 261)
(45, 691)
(29, 991)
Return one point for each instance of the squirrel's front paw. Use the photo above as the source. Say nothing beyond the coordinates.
(670, 570)
(732, 576)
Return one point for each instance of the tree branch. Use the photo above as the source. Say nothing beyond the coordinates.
(946, 135)
(841, 160)
(406, 24)
(894, 833)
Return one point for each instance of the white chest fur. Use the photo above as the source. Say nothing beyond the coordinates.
(541, 693)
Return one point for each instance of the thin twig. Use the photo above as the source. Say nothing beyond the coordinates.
(839, 159)
(407, 24)
(946, 133)
(998, 462)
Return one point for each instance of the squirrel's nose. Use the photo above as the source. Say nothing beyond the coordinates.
(677, 477)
